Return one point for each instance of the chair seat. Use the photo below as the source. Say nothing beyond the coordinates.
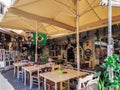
(20, 71)
(93, 87)
(82, 82)
(35, 76)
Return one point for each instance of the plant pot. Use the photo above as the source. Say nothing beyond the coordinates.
(115, 89)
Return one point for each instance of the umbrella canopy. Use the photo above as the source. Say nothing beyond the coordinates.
(9, 32)
(73, 15)
(18, 22)
(62, 13)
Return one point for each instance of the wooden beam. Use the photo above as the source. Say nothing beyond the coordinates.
(41, 19)
(99, 24)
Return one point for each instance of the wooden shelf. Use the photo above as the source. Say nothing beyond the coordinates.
(8, 58)
(55, 50)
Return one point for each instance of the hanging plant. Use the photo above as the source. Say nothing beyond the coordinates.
(110, 62)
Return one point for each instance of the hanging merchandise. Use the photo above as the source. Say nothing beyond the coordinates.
(68, 40)
(81, 40)
(88, 53)
(42, 38)
(87, 34)
(97, 35)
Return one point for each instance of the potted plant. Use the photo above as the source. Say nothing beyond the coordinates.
(113, 62)
(44, 57)
(31, 56)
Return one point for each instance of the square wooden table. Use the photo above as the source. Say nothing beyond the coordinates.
(56, 77)
(31, 69)
(17, 65)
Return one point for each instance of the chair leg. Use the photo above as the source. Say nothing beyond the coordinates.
(18, 75)
(49, 87)
(42, 85)
(22, 77)
(38, 84)
(32, 82)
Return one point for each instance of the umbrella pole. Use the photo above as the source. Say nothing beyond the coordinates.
(77, 31)
(110, 41)
(36, 41)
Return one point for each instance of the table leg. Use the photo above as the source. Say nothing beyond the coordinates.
(39, 83)
(55, 86)
(14, 70)
(30, 80)
(44, 83)
(18, 72)
(68, 84)
(25, 77)
(61, 84)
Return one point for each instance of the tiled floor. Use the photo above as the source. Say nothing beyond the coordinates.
(8, 82)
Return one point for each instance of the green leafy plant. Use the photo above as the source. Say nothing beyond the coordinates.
(44, 58)
(32, 55)
(101, 85)
(113, 62)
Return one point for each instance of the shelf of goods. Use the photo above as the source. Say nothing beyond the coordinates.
(57, 49)
(6, 59)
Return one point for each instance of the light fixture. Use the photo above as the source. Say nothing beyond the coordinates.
(115, 3)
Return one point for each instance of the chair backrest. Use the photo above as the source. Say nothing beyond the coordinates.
(82, 82)
(24, 61)
(38, 72)
(49, 69)
(46, 69)
(27, 65)
(97, 75)
(68, 66)
(95, 79)
(56, 67)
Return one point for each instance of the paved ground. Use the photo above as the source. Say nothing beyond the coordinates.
(8, 82)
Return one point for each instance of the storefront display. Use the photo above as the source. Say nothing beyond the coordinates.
(7, 58)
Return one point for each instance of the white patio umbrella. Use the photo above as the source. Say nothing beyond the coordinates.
(74, 15)
(9, 32)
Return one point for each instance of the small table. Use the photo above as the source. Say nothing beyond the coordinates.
(31, 69)
(56, 77)
(17, 65)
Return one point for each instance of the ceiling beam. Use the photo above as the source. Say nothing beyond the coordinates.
(41, 19)
(99, 24)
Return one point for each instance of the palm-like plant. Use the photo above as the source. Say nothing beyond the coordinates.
(110, 62)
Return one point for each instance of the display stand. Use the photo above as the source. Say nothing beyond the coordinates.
(88, 52)
(56, 49)
(7, 58)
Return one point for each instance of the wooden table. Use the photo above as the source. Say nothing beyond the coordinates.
(31, 69)
(56, 77)
(17, 65)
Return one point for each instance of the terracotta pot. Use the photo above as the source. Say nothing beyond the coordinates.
(115, 89)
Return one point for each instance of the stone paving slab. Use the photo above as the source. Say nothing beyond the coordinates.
(8, 82)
